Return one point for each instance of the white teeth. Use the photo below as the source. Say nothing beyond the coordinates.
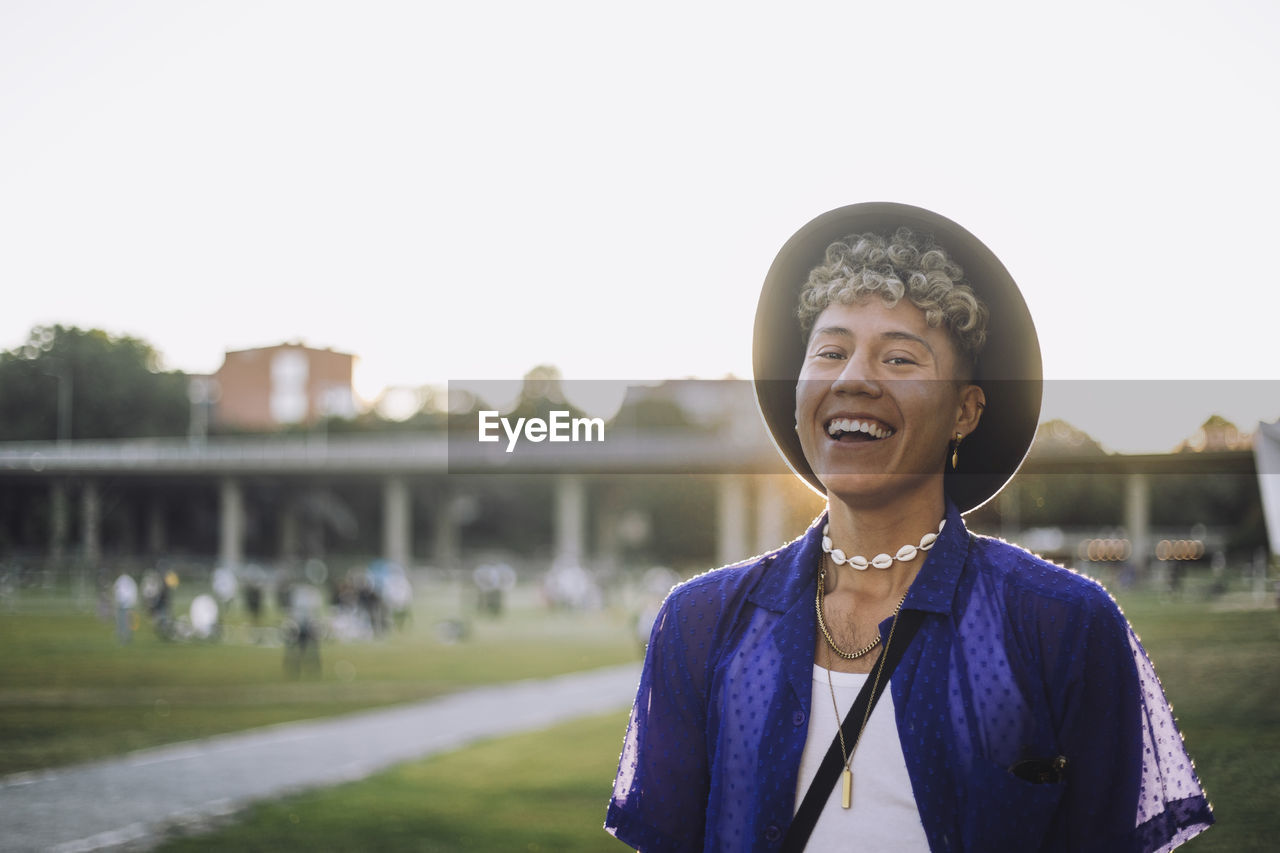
(870, 428)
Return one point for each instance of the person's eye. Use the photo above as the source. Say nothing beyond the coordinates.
(899, 360)
(831, 354)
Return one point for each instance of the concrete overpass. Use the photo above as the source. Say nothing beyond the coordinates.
(396, 460)
(748, 512)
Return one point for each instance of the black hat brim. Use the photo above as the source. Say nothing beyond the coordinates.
(1009, 368)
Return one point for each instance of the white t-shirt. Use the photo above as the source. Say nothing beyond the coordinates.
(126, 593)
(884, 814)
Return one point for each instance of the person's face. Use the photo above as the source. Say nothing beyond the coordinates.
(879, 400)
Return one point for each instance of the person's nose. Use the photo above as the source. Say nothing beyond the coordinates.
(860, 376)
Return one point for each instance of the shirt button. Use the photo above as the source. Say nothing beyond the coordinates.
(772, 833)
(797, 719)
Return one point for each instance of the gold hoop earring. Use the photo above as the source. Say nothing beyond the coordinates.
(955, 451)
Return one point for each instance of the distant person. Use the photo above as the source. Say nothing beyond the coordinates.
(398, 597)
(898, 370)
(224, 585)
(302, 630)
(125, 592)
(205, 617)
(159, 591)
(371, 607)
(493, 581)
(253, 600)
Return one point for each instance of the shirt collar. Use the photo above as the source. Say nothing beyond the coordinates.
(934, 588)
(791, 572)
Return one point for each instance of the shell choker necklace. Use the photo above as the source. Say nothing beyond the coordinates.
(905, 554)
(881, 561)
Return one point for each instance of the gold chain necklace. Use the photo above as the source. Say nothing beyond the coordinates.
(822, 624)
(846, 777)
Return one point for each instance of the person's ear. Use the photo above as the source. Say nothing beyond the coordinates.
(972, 402)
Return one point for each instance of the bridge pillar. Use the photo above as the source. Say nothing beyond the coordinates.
(1137, 520)
(570, 520)
(445, 546)
(230, 523)
(91, 523)
(608, 544)
(60, 521)
(731, 515)
(771, 513)
(397, 536)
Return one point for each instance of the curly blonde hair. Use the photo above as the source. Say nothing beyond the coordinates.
(907, 265)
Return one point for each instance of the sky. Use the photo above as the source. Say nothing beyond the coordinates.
(457, 191)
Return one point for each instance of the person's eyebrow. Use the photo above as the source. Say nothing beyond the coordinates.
(842, 331)
(907, 336)
(832, 330)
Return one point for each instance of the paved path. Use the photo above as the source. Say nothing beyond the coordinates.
(126, 800)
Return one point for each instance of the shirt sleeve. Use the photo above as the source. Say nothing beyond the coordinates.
(1131, 785)
(660, 793)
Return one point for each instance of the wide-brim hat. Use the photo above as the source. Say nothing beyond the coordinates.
(1009, 369)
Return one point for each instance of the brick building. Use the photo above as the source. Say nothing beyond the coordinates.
(285, 384)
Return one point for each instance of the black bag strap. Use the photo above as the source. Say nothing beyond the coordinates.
(815, 799)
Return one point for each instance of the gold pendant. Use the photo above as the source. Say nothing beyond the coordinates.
(846, 794)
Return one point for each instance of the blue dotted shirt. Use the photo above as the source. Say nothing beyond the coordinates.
(1017, 659)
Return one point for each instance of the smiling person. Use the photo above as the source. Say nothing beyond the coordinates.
(889, 680)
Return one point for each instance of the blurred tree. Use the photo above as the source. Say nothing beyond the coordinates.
(543, 393)
(647, 408)
(72, 383)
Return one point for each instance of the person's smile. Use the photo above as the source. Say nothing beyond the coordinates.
(858, 428)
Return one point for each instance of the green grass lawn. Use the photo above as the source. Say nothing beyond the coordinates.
(69, 692)
(543, 791)
(1221, 671)
(547, 791)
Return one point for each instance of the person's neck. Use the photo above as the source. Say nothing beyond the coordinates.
(868, 531)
